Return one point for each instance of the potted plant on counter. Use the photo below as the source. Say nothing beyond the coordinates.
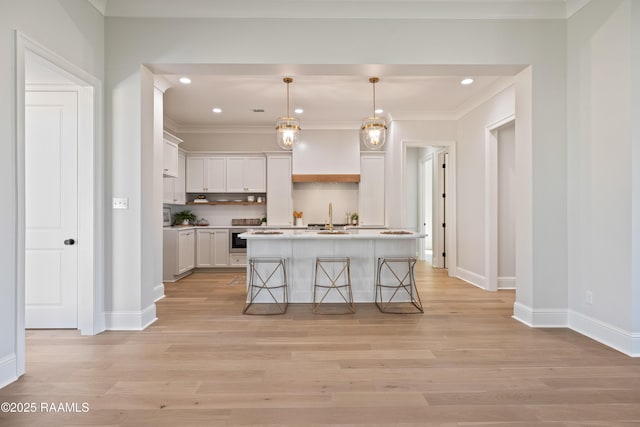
(184, 218)
(354, 218)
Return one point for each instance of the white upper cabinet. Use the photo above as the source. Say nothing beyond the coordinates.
(174, 188)
(206, 175)
(170, 155)
(246, 174)
(279, 190)
(218, 174)
(372, 190)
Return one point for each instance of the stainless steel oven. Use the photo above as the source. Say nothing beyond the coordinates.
(236, 244)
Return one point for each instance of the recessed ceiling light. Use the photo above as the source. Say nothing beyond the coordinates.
(217, 110)
(184, 80)
(298, 111)
(466, 81)
(379, 111)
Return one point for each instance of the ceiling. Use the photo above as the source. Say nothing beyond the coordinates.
(338, 102)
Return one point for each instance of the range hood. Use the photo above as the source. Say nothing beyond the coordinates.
(327, 156)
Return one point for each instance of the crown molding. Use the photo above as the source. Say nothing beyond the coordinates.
(341, 9)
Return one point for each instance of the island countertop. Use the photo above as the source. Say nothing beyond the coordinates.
(349, 234)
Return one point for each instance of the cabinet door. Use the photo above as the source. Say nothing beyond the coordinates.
(195, 174)
(372, 190)
(186, 249)
(279, 202)
(216, 176)
(235, 175)
(213, 248)
(168, 190)
(221, 248)
(255, 177)
(204, 248)
(179, 196)
(170, 159)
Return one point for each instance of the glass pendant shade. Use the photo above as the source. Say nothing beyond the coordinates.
(287, 128)
(373, 132)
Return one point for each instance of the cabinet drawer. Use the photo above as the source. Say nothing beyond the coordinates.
(236, 260)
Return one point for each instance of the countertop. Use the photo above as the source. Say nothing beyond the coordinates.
(363, 234)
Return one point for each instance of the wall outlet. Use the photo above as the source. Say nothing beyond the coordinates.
(589, 297)
(120, 203)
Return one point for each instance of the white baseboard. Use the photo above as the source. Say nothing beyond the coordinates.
(158, 292)
(609, 335)
(8, 370)
(540, 318)
(471, 277)
(506, 282)
(130, 320)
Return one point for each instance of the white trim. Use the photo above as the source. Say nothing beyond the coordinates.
(131, 320)
(506, 283)
(471, 277)
(491, 201)
(158, 292)
(545, 318)
(609, 335)
(8, 369)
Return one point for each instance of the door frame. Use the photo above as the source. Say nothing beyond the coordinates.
(91, 232)
(491, 201)
(450, 200)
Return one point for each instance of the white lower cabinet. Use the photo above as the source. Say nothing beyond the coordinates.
(178, 253)
(212, 248)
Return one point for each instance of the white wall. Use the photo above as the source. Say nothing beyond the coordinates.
(75, 31)
(603, 156)
(411, 188)
(223, 141)
(471, 133)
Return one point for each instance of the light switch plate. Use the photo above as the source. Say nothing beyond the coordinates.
(120, 203)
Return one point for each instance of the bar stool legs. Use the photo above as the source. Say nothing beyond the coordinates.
(401, 290)
(339, 282)
(264, 278)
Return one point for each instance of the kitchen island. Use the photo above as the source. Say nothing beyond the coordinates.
(301, 247)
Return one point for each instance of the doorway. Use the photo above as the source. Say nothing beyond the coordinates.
(500, 205)
(32, 58)
(429, 202)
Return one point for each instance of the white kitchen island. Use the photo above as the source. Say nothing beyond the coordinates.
(301, 247)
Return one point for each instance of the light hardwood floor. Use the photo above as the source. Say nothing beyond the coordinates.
(464, 362)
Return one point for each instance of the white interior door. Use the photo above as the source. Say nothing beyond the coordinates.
(51, 213)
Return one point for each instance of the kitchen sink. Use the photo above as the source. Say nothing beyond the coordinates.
(267, 232)
(333, 232)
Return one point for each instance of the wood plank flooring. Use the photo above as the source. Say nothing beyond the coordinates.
(464, 362)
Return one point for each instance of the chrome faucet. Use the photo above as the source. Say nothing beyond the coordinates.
(330, 226)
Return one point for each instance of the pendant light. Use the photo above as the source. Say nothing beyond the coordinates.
(287, 128)
(374, 129)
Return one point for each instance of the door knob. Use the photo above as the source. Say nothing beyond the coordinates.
(69, 242)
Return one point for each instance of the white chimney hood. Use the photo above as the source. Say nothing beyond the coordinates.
(327, 156)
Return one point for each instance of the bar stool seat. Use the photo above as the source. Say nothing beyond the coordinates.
(337, 279)
(397, 291)
(267, 276)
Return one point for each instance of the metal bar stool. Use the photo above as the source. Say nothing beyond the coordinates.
(263, 278)
(400, 288)
(336, 281)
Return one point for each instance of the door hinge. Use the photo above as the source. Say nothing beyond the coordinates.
(444, 166)
(444, 225)
(444, 195)
(444, 254)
